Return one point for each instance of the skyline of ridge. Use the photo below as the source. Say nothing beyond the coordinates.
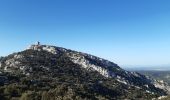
(131, 67)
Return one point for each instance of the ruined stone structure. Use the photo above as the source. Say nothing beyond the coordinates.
(36, 46)
(40, 47)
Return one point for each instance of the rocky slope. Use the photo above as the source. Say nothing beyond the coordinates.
(50, 66)
(159, 78)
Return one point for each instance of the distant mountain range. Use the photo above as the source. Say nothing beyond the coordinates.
(44, 72)
(149, 68)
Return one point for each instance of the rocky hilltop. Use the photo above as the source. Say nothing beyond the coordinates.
(50, 70)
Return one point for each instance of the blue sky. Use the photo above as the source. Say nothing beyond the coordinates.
(127, 32)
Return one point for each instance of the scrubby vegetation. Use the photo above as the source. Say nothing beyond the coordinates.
(54, 77)
(68, 88)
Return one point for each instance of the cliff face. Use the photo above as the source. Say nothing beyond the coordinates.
(62, 65)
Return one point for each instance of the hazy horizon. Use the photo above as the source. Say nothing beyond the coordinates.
(124, 32)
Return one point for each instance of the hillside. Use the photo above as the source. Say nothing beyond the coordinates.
(44, 72)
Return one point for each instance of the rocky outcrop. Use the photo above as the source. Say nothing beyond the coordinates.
(87, 65)
(162, 85)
